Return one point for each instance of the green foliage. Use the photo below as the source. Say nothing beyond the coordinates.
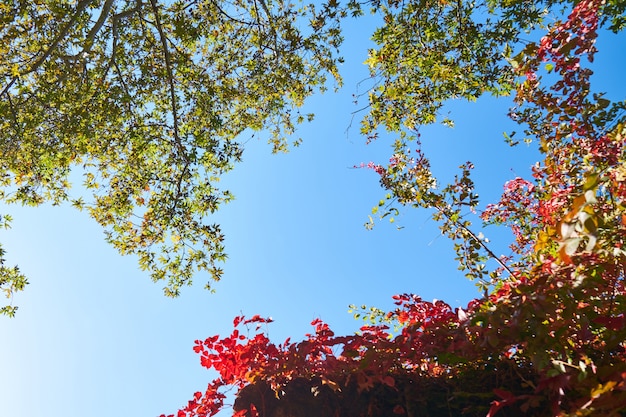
(11, 280)
(149, 100)
(430, 52)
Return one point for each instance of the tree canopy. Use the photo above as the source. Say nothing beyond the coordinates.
(150, 102)
(141, 105)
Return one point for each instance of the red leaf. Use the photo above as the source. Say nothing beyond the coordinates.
(389, 381)
(505, 395)
(403, 317)
(508, 398)
(611, 323)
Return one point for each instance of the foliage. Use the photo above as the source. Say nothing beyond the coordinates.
(149, 101)
(11, 279)
(429, 52)
(548, 336)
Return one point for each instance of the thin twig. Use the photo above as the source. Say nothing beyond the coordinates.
(170, 76)
(479, 241)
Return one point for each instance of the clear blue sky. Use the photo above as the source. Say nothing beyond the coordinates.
(95, 337)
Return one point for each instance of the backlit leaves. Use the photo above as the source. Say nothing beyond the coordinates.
(151, 101)
(11, 279)
(430, 52)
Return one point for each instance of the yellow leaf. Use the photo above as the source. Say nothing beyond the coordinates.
(603, 389)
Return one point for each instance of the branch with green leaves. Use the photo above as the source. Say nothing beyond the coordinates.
(410, 182)
(149, 101)
(11, 279)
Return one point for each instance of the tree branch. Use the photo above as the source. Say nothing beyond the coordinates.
(170, 80)
(82, 5)
(476, 239)
(106, 8)
(112, 61)
(223, 12)
(170, 74)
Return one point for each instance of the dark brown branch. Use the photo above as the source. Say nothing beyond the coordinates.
(106, 9)
(112, 62)
(170, 79)
(265, 9)
(223, 12)
(170, 73)
(18, 128)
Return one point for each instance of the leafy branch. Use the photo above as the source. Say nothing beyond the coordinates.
(80, 7)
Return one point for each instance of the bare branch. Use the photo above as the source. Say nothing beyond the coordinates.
(223, 12)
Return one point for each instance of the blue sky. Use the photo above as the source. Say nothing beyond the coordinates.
(95, 337)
